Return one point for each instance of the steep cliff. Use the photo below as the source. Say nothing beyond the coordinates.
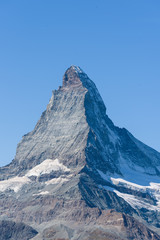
(75, 166)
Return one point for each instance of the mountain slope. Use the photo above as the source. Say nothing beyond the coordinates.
(76, 165)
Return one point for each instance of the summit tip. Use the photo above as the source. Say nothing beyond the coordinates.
(71, 76)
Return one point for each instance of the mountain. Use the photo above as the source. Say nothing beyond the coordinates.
(78, 176)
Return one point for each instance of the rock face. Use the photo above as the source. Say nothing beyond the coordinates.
(15, 231)
(77, 176)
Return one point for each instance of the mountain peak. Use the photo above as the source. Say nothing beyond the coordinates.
(76, 168)
(72, 76)
(75, 69)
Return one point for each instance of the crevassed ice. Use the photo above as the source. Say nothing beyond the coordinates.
(46, 166)
(14, 184)
(137, 203)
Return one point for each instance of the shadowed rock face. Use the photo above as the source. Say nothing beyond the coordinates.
(16, 231)
(75, 166)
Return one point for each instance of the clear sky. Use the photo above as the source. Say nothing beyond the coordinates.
(116, 42)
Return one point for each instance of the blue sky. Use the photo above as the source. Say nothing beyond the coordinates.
(117, 43)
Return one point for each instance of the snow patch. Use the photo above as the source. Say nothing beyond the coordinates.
(136, 181)
(124, 183)
(44, 193)
(133, 201)
(47, 166)
(137, 174)
(137, 203)
(153, 190)
(41, 193)
(60, 179)
(56, 181)
(14, 184)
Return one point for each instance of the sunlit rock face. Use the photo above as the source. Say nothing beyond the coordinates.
(75, 166)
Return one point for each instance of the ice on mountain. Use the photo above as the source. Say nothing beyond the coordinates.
(47, 166)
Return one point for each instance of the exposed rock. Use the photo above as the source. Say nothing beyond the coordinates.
(75, 166)
(16, 231)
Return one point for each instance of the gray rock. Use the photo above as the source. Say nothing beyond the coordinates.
(16, 231)
(76, 130)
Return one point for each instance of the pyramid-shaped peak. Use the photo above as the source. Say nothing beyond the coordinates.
(75, 77)
(72, 76)
(75, 69)
(76, 160)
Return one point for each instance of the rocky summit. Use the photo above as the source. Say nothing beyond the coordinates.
(77, 176)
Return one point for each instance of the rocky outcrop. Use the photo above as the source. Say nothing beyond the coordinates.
(109, 225)
(16, 231)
